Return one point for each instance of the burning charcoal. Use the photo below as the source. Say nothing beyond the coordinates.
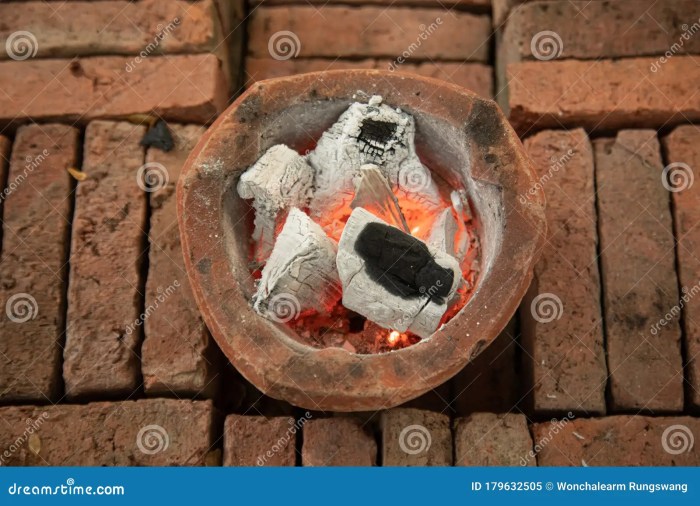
(300, 274)
(159, 136)
(371, 133)
(392, 302)
(401, 263)
(373, 193)
(449, 235)
(279, 180)
(460, 204)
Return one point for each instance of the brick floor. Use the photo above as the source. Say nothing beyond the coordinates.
(101, 335)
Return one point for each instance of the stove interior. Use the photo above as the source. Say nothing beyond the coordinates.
(365, 231)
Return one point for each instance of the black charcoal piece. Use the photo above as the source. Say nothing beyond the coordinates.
(402, 264)
(159, 136)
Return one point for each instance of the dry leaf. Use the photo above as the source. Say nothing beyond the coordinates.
(78, 175)
(141, 119)
(34, 444)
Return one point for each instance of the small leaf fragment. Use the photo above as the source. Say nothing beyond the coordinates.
(77, 175)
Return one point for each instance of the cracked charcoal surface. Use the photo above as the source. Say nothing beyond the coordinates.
(401, 263)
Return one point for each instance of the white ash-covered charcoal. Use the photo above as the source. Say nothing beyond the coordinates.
(460, 203)
(300, 274)
(373, 193)
(449, 235)
(371, 133)
(279, 180)
(392, 278)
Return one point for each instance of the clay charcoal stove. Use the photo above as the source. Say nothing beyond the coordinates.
(351, 250)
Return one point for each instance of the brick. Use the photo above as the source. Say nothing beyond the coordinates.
(563, 330)
(413, 437)
(178, 354)
(620, 441)
(603, 95)
(5, 144)
(682, 146)
(487, 439)
(639, 277)
(372, 32)
(36, 222)
(260, 441)
(340, 441)
(154, 432)
(473, 76)
(150, 27)
(593, 30)
(107, 252)
(187, 89)
(489, 382)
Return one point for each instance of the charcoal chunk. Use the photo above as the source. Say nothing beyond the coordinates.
(159, 136)
(402, 264)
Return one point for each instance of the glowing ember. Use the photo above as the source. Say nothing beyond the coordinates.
(394, 337)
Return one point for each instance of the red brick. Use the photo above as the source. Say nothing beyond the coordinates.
(413, 437)
(157, 432)
(177, 353)
(683, 146)
(603, 95)
(36, 221)
(565, 355)
(487, 439)
(489, 382)
(107, 251)
(5, 144)
(260, 441)
(619, 441)
(340, 441)
(473, 76)
(67, 29)
(338, 32)
(593, 30)
(188, 89)
(639, 277)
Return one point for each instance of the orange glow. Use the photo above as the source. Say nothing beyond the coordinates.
(394, 337)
